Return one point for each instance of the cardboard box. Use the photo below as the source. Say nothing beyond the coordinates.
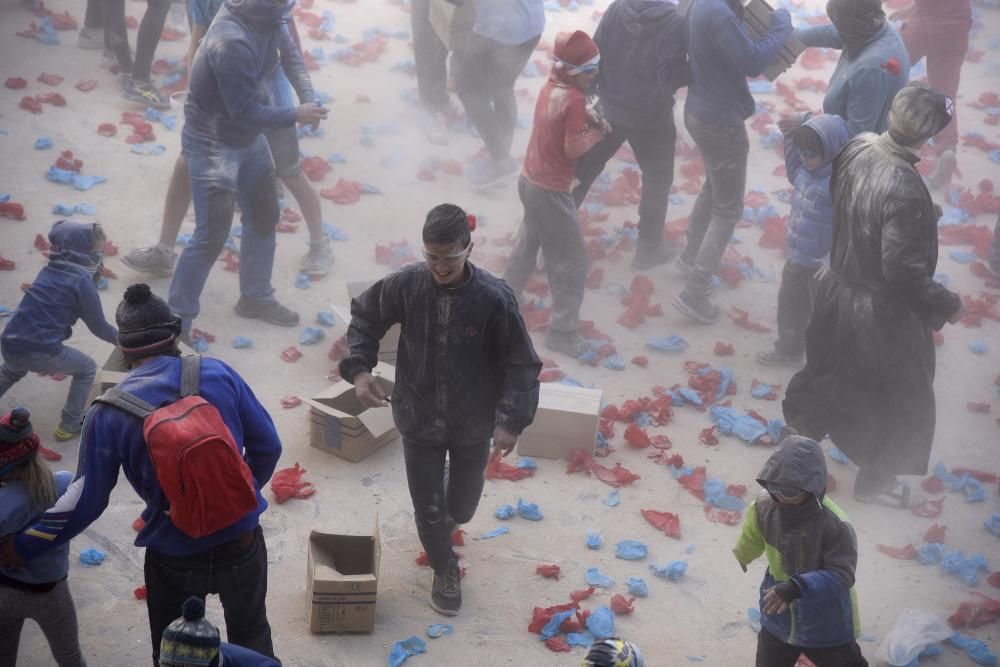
(453, 24)
(342, 581)
(342, 426)
(114, 370)
(567, 419)
(390, 342)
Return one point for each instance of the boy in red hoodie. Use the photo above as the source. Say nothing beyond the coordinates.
(563, 131)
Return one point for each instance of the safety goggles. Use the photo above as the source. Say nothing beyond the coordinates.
(785, 493)
(448, 260)
(588, 67)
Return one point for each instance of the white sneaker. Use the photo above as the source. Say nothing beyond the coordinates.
(435, 128)
(940, 177)
(318, 260)
(90, 38)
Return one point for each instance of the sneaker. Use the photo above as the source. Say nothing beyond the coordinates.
(318, 260)
(90, 38)
(775, 358)
(145, 93)
(570, 343)
(435, 128)
(647, 257)
(683, 266)
(446, 590)
(64, 433)
(940, 177)
(154, 260)
(270, 311)
(702, 310)
(485, 173)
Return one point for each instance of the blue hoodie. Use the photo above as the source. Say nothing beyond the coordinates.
(722, 56)
(227, 103)
(17, 512)
(643, 47)
(112, 441)
(810, 225)
(510, 22)
(62, 293)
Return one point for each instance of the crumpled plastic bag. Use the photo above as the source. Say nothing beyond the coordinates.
(637, 587)
(631, 550)
(497, 469)
(731, 422)
(613, 499)
(673, 343)
(621, 605)
(582, 639)
(992, 525)
(287, 483)
(966, 569)
(242, 343)
(436, 630)
(91, 556)
(978, 651)
(601, 623)
(975, 613)
(505, 512)
(548, 570)
(551, 628)
(405, 648)
(617, 476)
(914, 630)
(594, 540)
(673, 570)
(596, 578)
(496, 532)
(717, 495)
(311, 336)
(909, 552)
(558, 645)
(668, 522)
(528, 511)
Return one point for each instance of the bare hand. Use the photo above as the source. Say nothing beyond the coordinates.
(957, 317)
(310, 114)
(9, 558)
(503, 442)
(773, 604)
(369, 391)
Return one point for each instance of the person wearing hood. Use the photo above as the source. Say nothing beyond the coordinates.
(807, 599)
(644, 62)
(228, 157)
(721, 56)
(563, 131)
(868, 382)
(811, 143)
(64, 291)
(873, 65)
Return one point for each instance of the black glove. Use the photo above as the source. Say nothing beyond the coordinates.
(788, 591)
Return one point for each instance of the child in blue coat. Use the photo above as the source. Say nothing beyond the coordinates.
(191, 641)
(63, 292)
(811, 143)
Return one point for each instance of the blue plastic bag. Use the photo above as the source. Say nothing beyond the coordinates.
(496, 532)
(90, 557)
(975, 649)
(930, 554)
(302, 281)
(583, 639)
(439, 630)
(731, 422)
(966, 569)
(242, 342)
(613, 499)
(528, 511)
(974, 491)
(505, 512)
(762, 390)
(631, 550)
(673, 570)
(311, 336)
(992, 525)
(403, 649)
(978, 347)
(839, 456)
(614, 363)
(594, 539)
(43, 144)
(637, 587)
(753, 618)
(601, 623)
(551, 628)
(717, 496)
(673, 343)
(527, 463)
(326, 318)
(595, 578)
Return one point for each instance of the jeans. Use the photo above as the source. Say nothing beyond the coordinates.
(93, 17)
(431, 58)
(55, 614)
(116, 35)
(772, 652)
(794, 308)
(485, 72)
(66, 361)
(218, 176)
(719, 206)
(653, 146)
(551, 223)
(235, 571)
(434, 503)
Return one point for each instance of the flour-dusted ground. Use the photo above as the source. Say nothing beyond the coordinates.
(704, 615)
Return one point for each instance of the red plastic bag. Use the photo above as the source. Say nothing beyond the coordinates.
(140, 593)
(548, 570)
(994, 579)
(578, 596)
(981, 408)
(315, 167)
(978, 612)
(581, 461)
(86, 86)
(344, 192)
(594, 278)
(55, 99)
(497, 469)
(935, 534)
(50, 79)
(291, 354)
(138, 524)
(709, 436)
(909, 552)
(723, 349)
(641, 361)
(15, 83)
(48, 454)
(668, 522)
(287, 483)
(558, 644)
(741, 318)
(107, 129)
(636, 436)
(540, 616)
(930, 509)
(621, 605)
(11, 210)
(29, 103)
(7, 264)
(727, 517)
(289, 402)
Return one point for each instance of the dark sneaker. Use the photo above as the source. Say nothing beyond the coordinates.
(701, 310)
(446, 590)
(152, 260)
(775, 358)
(270, 311)
(567, 342)
(647, 257)
(145, 93)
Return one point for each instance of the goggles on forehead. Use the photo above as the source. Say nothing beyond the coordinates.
(586, 68)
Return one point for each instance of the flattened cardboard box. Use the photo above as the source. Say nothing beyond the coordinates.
(452, 23)
(342, 426)
(387, 348)
(567, 419)
(342, 581)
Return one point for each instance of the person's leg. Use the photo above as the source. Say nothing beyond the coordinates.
(945, 57)
(522, 259)
(466, 477)
(12, 615)
(116, 33)
(56, 616)
(794, 309)
(12, 370)
(431, 58)
(242, 588)
(258, 197)
(591, 165)
(83, 370)
(508, 63)
(160, 259)
(772, 652)
(93, 18)
(654, 151)
(148, 38)
(471, 69)
(845, 655)
(167, 587)
(425, 477)
(701, 213)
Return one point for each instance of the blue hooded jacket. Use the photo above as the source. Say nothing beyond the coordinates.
(810, 225)
(227, 103)
(643, 47)
(63, 292)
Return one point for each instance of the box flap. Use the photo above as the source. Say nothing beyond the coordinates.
(554, 396)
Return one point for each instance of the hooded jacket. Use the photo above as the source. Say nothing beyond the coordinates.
(644, 61)
(227, 103)
(62, 293)
(810, 224)
(812, 544)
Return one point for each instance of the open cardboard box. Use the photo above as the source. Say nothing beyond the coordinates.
(567, 419)
(114, 370)
(342, 426)
(342, 581)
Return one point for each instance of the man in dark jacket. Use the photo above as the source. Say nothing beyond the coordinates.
(643, 47)
(869, 374)
(467, 372)
(228, 157)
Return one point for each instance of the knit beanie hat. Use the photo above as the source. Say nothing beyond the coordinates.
(18, 442)
(190, 641)
(574, 50)
(146, 327)
(918, 112)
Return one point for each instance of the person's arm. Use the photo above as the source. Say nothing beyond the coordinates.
(92, 313)
(820, 36)
(793, 160)
(199, 20)
(372, 313)
(750, 544)
(519, 398)
(744, 55)
(904, 264)
(868, 91)
(840, 559)
(232, 61)
(261, 443)
(672, 66)
(579, 134)
(295, 66)
(197, 34)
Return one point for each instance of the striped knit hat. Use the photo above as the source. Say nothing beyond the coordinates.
(190, 641)
(18, 442)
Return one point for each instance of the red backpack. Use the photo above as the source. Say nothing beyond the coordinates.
(204, 478)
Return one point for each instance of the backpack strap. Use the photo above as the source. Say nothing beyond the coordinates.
(190, 375)
(123, 400)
